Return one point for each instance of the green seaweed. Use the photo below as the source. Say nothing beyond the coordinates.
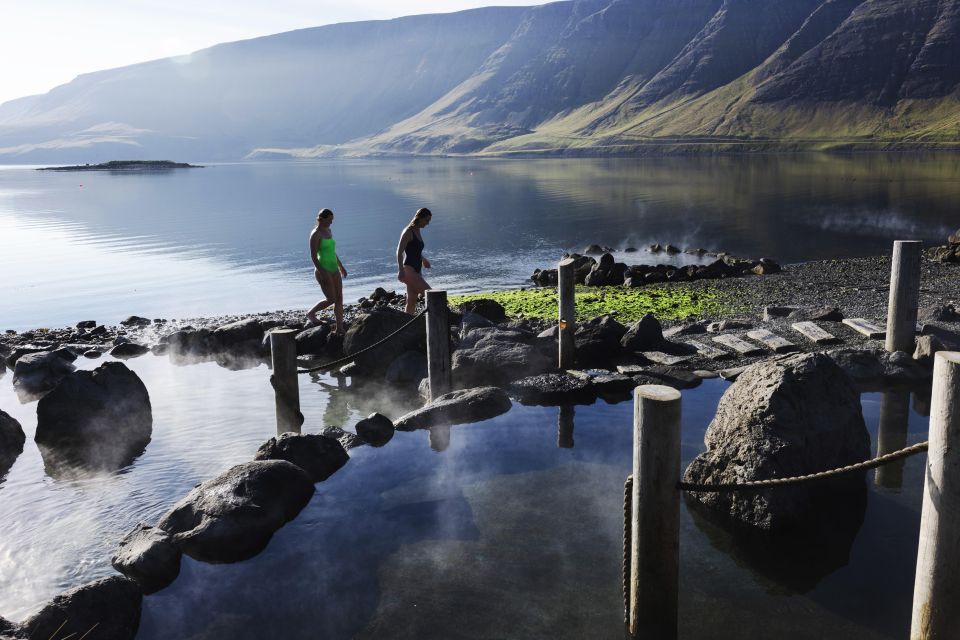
(675, 302)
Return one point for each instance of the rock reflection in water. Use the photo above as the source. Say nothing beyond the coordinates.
(921, 402)
(71, 463)
(801, 558)
(892, 436)
(439, 438)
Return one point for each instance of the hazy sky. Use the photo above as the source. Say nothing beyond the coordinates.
(44, 43)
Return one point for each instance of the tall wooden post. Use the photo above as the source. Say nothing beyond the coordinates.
(438, 344)
(566, 290)
(655, 543)
(936, 615)
(904, 295)
(283, 358)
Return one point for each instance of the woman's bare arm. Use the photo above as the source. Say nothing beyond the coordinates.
(314, 245)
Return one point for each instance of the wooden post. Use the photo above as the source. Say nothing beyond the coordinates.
(566, 289)
(565, 426)
(892, 436)
(655, 544)
(904, 295)
(283, 358)
(936, 615)
(438, 344)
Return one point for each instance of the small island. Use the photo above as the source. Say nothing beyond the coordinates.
(126, 165)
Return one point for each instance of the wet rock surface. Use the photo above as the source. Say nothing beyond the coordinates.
(100, 419)
(106, 608)
(40, 372)
(376, 429)
(149, 557)
(369, 328)
(233, 516)
(498, 355)
(457, 407)
(346, 439)
(552, 388)
(12, 439)
(792, 415)
(320, 456)
(598, 341)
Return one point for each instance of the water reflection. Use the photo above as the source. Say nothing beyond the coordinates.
(439, 438)
(892, 435)
(565, 426)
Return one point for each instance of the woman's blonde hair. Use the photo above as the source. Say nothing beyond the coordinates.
(421, 213)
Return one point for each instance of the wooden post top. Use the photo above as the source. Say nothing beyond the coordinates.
(952, 357)
(657, 392)
(908, 241)
(566, 262)
(283, 332)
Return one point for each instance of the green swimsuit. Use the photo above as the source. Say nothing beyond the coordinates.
(327, 255)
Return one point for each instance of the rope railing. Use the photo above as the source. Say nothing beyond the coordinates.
(810, 477)
(354, 356)
(627, 537)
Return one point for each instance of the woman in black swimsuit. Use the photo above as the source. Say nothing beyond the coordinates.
(410, 258)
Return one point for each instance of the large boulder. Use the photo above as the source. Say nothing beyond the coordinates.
(787, 416)
(148, 556)
(606, 272)
(457, 407)
(319, 456)
(233, 516)
(489, 309)
(598, 341)
(190, 342)
(938, 313)
(106, 608)
(11, 442)
(313, 340)
(496, 355)
(243, 335)
(39, 372)
(646, 334)
(553, 389)
(409, 367)
(126, 350)
(100, 419)
(381, 321)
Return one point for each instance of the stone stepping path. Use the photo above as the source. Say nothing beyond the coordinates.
(814, 332)
(742, 347)
(867, 328)
(709, 351)
(664, 358)
(771, 340)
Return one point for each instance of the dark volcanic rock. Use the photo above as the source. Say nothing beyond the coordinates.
(135, 321)
(551, 389)
(312, 340)
(868, 367)
(233, 516)
(489, 309)
(86, 324)
(346, 439)
(11, 442)
(381, 321)
(376, 429)
(786, 416)
(598, 341)
(100, 419)
(643, 335)
(148, 556)
(109, 606)
(128, 350)
(497, 355)
(41, 371)
(938, 313)
(927, 347)
(243, 334)
(408, 368)
(831, 314)
(190, 341)
(320, 456)
(457, 407)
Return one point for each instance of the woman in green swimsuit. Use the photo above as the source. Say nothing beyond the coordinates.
(328, 270)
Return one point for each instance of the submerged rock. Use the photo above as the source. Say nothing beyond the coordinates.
(233, 516)
(457, 407)
(790, 415)
(148, 556)
(11, 442)
(109, 606)
(376, 429)
(99, 419)
(318, 455)
(552, 389)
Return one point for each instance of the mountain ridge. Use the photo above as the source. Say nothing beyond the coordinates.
(571, 77)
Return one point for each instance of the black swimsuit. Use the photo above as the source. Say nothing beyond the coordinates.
(414, 253)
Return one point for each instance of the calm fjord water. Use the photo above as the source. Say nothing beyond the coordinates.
(232, 238)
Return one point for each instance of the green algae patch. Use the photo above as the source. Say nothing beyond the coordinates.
(625, 304)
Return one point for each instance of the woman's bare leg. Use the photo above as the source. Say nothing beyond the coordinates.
(338, 301)
(415, 286)
(328, 291)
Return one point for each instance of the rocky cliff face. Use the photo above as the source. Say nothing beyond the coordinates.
(586, 75)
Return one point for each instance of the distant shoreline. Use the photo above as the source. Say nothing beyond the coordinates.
(126, 165)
